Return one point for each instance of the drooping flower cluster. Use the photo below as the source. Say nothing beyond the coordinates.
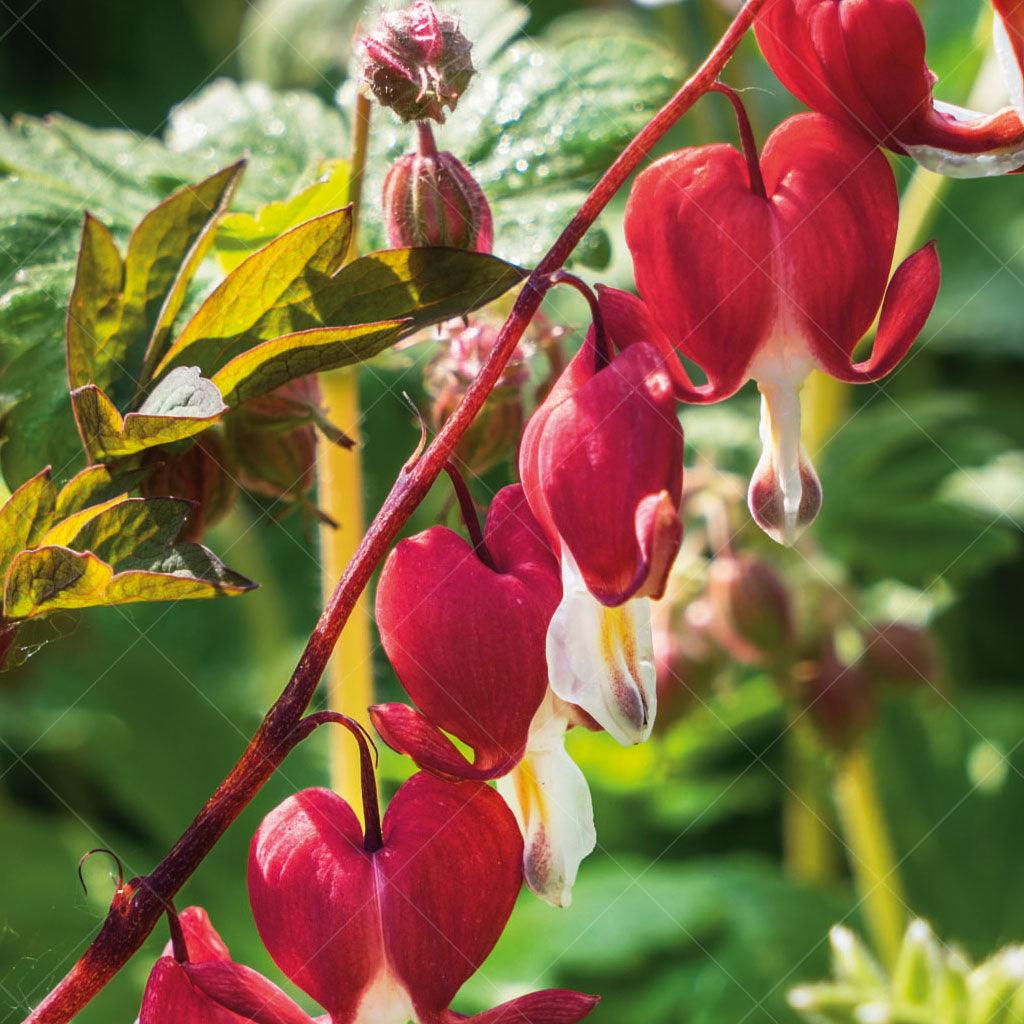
(753, 267)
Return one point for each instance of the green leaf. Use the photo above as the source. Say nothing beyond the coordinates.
(51, 170)
(240, 234)
(25, 516)
(267, 295)
(884, 479)
(714, 936)
(123, 528)
(285, 136)
(50, 579)
(296, 43)
(183, 404)
(121, 311)
(265, 367)
(96, 485)
(365, 306)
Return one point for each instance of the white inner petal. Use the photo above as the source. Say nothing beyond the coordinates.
(967, 165)
(549, 796)
(385, 1002)
(603, 658)
(1013, 73)
(782, 454)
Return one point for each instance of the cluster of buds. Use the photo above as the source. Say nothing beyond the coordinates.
(268, 447)
(462, 350)
(929, 982)
(417, 62)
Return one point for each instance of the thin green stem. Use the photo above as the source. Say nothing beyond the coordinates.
(872, 861)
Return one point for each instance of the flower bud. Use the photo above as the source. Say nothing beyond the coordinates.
(494, 433)
(417, 62)
(201, 474)
(753, 616)
(896, 654)
(431, 199)
(276, 463)
(839, 698)
(687, 656)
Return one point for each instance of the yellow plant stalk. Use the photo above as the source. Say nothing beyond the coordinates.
(871, 856)
(340, 479)
(340, 493)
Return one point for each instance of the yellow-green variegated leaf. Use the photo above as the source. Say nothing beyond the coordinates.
(273, 363)
(121, 311)
(50, 579)
(25, 516)
(96, 485)
(239, 235)
(266, 296)
(183, 404)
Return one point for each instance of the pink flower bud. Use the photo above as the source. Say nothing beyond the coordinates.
(753, 615)
(202, 474)
(431, 199)
(896, 654)
(494, 434)
(839, 698)
(417, 62)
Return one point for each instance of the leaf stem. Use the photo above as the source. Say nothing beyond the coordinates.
(127, 926)
(871, 855)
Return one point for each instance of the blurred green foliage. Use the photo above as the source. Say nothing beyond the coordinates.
(117, 735)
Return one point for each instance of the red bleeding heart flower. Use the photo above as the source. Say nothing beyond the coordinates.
(770, 269)
(387, 926)
(863, 62)
(465, 631)
(602, 466)
(205, 986)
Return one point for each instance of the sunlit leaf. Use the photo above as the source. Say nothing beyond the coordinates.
(118, 530)
(25, 516)
(183, 404)
(267, 295)
(239, 235)
(95, 485)
(273, 363)
(52, 170)
(50, 579)
(366, 298)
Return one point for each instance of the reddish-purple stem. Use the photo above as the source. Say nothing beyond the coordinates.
(132, 917)
(470, 519)
(747, 140)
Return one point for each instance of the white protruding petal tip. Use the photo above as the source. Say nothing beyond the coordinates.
(550, 798)
(602, 659)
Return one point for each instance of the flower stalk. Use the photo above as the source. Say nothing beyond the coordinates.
(340, 480)
(128, 924)
(872, 860)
